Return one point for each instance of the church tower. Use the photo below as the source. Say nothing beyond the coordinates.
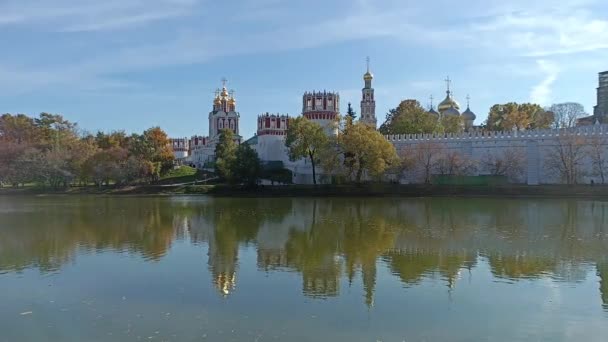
(224, 114)
(368, 103)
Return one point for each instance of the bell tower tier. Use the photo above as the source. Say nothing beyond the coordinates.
(368, 102)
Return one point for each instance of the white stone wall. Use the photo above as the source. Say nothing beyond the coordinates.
(272, 148)
(534, 145)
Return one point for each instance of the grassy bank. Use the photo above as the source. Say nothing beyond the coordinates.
(368, 190)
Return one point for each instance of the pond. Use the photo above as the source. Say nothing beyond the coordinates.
(303, 269)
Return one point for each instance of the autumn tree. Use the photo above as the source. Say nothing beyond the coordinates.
(506, 117)
(566, 114)
(565, 158)
(29, 167)
(161, 150)
(366, 151)
(152, 146)
(18, 129)
(510, 163)
(106, 166)
(599, 160)
(110, 140)
(408, 118)
(306, 139)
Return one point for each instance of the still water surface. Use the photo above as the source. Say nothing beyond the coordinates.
(204, 269)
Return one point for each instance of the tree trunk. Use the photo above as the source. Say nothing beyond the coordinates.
(314, 172)
(359, 174)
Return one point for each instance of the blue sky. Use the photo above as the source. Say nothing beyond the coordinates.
(133, 64)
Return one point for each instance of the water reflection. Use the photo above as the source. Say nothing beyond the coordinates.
(330, 243)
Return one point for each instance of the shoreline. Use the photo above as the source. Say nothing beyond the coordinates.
(366, 190)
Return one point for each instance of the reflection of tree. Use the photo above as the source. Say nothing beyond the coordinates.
(520, 266)
(602, 272)
(313, 253)
(351, 229)
(366, 236)
(413, 266)
(50, 235)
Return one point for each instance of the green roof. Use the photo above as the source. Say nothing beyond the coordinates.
(251, 141)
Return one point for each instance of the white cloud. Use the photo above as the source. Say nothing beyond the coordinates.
(541, 93)
(499, 33)
(90, 15)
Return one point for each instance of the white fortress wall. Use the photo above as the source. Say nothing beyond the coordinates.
(534, 144)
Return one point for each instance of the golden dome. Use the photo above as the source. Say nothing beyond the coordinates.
(368, 76)
(448, 103)
(224, 92)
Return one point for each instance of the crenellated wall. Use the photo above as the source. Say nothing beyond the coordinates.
(534, 145)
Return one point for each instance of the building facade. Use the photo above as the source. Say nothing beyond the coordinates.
(199, 151)
(270, 138)
(322, 108)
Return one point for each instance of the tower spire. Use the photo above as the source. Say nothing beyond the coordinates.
(224, 81)
(367, 60)
(468, 100)
(431, 101)
(448, 82)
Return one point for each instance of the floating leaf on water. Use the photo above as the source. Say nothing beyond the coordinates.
(26, 313)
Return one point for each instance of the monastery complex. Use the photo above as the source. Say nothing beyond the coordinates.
(324, 108)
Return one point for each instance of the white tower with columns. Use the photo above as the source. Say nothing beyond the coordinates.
(368, 102)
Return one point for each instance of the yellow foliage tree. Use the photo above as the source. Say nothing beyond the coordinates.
(365, 150)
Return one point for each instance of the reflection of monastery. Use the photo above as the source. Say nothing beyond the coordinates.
(412, 239)
(331, 246)
(324, 108)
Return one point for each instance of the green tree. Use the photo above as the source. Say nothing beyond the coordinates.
(366, 151)
(225, 155)
(409, 118)
(246, 166)
(451, 124)
(351, 113)
(306, 139)
(55, 131)
(509, 116)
